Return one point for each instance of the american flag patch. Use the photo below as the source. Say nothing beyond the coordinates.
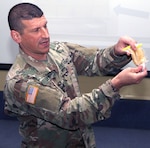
(31, 94)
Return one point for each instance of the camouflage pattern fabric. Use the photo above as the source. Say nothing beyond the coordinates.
(46, 99)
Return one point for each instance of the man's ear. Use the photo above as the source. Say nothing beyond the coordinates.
(16, 36)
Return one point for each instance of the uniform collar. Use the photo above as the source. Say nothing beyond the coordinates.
(38, 65)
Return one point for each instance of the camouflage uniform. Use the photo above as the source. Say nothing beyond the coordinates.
(46, 99)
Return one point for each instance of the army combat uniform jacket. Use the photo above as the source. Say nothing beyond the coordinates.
(46, 99)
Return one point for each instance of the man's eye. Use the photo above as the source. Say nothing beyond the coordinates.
(36, 30)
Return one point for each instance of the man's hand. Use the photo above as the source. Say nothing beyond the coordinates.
(122, 43)
(129, 76)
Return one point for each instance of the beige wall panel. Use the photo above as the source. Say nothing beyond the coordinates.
(138, 91)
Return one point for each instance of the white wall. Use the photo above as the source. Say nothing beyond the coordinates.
(87, 22)
(8, 49)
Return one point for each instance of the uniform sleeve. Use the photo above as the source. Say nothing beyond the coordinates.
(94, 61)
(109, 63)
(49, 103)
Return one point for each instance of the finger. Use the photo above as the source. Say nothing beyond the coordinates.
(138, 69)
(142, 72)
(131, 42)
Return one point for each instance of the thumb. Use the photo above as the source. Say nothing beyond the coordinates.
(138, 69)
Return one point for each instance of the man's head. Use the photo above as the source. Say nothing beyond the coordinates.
(28, 27)
(22, 11)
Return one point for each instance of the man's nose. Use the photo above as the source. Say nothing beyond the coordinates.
(45, 33)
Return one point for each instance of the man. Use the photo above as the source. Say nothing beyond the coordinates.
(42, 88)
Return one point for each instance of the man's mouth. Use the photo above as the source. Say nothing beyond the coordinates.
(45, 43)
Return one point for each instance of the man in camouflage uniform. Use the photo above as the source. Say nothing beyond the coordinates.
(42, 88)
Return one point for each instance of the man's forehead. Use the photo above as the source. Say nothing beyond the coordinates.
(35, 22)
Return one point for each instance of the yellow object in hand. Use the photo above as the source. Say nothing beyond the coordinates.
(137, 55)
